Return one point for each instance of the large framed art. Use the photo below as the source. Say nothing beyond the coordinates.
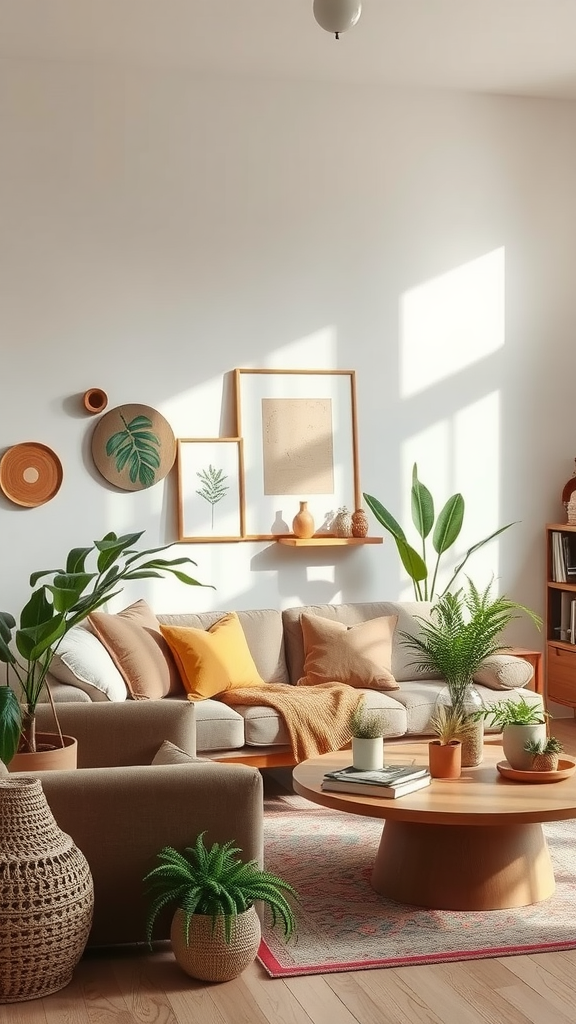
(210, 489)
(300, 443)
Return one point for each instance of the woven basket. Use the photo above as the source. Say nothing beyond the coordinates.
(208, 956)
(46, 895)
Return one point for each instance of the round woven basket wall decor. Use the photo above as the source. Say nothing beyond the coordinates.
(30, 474)
(133, 447)
(46, 895)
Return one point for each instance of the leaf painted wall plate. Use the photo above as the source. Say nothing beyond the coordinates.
(133, 447)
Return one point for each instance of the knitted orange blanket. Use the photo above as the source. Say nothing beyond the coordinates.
(316, 717)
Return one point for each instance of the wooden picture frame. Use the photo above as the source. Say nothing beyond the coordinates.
(210, 489)
(300, 443)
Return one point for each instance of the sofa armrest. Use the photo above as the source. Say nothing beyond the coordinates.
(125, 733)
(122, 817)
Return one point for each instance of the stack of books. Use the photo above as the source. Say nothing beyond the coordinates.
(391, 781)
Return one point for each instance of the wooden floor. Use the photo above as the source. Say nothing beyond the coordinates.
(139, 988)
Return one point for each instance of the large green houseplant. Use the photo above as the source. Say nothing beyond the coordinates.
(445, 530)
(215, 930)
(91, 576)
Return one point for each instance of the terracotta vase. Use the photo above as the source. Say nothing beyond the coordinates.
(207, 956)
(46, 895)
(52, 759)
(359, 523)
(303, 522)
(445, 759)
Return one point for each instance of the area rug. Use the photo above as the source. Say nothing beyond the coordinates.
(343, 925)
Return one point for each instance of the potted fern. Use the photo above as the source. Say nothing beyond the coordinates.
(215, 931)
(464, 628)
(367, 738)
(64, 598)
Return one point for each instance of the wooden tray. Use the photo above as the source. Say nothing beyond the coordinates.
(566, 767)
(30, 474)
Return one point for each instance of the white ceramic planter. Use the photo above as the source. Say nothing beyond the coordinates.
(368, 754)
(513, 739)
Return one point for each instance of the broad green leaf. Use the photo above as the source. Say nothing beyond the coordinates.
(411, 560)
(115, 442)
(43, 572)
(422, 507)
(37, 611)
(66, 589)
(111, 548)
(6, 655)
(384, 518)
(10, 723)
(146, 475)
(448, 524)
(77, 559)
(7, 623)
(34, 641)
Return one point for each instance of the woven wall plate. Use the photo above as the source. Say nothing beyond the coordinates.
(30, 474)
(133, 447)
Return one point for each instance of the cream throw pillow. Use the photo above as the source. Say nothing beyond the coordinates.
(359, 655)
(504, 672)
(83, 661)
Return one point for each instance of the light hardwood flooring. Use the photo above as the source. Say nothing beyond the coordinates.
(136, 987)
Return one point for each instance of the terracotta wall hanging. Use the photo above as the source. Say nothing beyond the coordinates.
(30, 474)
(95, 400)
(133, 447)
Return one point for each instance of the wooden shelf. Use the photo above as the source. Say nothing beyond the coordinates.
(321, 542)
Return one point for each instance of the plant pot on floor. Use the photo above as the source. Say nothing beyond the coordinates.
(444, 759)
(514, 738)
(208, 956)
(368, 753)
(49, 755)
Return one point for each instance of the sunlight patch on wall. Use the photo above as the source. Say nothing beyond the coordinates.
(316, 351)
(451, 322)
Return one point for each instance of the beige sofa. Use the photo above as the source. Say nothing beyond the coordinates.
(121, 810)
(257, 735)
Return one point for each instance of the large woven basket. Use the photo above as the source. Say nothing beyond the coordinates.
(208, 956)
(46, 895)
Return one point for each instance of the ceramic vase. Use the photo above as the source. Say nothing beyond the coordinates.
(359, 523)
(445, 759)
(207, 955)
(46, 895)
(342, 524)
(368, 753)
(303, 522)
(513, 739)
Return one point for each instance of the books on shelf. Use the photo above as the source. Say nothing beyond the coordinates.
(558, 558)
(391, 781)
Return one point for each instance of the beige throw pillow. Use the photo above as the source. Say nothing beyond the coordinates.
(504, 672)
(359, 655)
(139, 651)
(169, 753)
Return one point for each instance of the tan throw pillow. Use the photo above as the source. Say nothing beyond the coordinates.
(213, 660)
(138, 649)
(169, 753)
(359, 655)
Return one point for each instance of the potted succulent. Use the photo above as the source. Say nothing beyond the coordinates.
(520, 721)
(215, 931)
(62, 599)
(451, 725)
(544, 754)
(367, 732)
(464, 628)
(445, 531)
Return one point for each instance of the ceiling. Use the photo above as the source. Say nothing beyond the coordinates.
(522, 47)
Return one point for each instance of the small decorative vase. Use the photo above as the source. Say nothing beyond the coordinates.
(303, 522)
(207, 956)
(46, 895)
(342, 524)
(445, 759)
(359, 523)
(513, 739)
(368, 753)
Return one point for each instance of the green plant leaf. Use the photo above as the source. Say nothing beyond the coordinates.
(384, 517)
(10, 723)
(413, 563)
(136, 448)
(476, 547)
(422, 506)
(449, 524)
(67, 588)
(34, 641)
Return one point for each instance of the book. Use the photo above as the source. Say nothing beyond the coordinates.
(365, 789)
(389, 775)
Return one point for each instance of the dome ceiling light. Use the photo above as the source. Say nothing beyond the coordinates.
(337, 15)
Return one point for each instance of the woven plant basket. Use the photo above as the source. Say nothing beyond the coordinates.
(46, 895)
(208, 956)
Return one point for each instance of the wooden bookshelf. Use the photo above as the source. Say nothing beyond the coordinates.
(560, 655)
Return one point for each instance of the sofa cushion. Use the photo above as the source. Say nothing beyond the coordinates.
(218, 727)
(359, 655)
(263, 631)
(169, 753)
(83, 661)
(143, 657)
(213, 660)
(504, 672)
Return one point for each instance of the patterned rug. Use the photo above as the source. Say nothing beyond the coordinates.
(343, 925)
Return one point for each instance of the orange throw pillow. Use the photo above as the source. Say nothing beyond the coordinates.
(212, 660)
(359, 655)
(138, 649)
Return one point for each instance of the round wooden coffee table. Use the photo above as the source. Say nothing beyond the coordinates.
(474, 843)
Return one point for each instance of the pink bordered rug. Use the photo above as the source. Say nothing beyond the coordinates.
(343, 925)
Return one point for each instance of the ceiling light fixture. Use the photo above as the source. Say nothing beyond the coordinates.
(337, 15)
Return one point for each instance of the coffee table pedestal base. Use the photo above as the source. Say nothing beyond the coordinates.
(459, 867)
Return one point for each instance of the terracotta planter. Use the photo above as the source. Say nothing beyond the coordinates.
(368, 754)
(55, 758)
(208, 956)
(445, 759)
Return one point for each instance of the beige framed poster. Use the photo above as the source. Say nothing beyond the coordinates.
(300, 443)
(210, 489)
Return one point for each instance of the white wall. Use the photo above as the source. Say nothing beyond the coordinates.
(157, 231)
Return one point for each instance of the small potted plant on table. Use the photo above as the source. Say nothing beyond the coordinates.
(367, 738)
(521, 721)
(544, 754)
(451, 725)
(215, 930)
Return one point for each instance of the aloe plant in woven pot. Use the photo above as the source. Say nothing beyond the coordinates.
(215, 931)
(66, 596)
(464, 628)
